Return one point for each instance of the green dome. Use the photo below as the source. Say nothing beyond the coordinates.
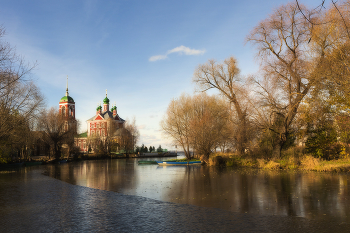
(106, 100)
(98, 108)
(66, 99)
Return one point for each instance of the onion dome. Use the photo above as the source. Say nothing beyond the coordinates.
(99, 108)
(106, 100)
(67, 99)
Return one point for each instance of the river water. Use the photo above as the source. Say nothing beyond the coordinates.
(225, 199)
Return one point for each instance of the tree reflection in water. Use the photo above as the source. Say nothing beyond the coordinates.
(305, 194)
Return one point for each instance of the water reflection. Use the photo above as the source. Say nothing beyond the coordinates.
(310, 195)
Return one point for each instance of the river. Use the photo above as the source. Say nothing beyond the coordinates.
(263, 201)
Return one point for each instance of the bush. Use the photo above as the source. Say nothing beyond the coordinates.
(323, 144)
(216, 161)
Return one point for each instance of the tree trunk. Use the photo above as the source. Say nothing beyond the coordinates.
(277, 148)
(241, 137)
(280, 129)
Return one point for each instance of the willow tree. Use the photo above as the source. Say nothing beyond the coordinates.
(225, 77)
(209, 123)
(295, 47)
(176, 122)
(196, 122)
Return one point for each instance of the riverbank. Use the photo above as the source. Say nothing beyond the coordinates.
(287, 162)
(43, 160)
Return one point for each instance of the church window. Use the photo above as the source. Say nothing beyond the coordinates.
(103, 132)
(63, 110)
(92, 133)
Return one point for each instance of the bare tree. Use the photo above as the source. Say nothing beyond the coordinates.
(196, 123)
(128, 136)
(337, 5)
(226, 79)
(280, 40)
(57, 130)
(20, 99)
(176, 122)
(209, 123)
(292, 65)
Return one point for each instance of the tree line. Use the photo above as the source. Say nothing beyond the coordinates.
(299, 96)
(145, 149)
(20, 103)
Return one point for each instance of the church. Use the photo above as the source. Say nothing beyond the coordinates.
(104, 123)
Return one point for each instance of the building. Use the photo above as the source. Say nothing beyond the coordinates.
(67, 110)
(104, 124)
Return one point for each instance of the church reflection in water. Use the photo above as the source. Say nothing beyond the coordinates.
(311, 195)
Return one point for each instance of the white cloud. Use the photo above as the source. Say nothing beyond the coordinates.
(157, 57)
(180, 50)
(187, 51)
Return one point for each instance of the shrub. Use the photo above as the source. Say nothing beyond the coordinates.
(323, 143)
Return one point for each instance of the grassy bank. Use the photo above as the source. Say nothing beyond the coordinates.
(287, 162)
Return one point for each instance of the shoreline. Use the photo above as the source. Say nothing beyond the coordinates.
(300, 163)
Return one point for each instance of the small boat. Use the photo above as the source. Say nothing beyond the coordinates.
(165, 163)
(147, 162)
(62, 161)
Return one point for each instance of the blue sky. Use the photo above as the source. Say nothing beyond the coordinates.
(143, 52)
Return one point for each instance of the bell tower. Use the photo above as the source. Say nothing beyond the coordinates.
(105, 103)
(67, 105)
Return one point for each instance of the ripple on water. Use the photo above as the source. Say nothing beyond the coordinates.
(32, 202)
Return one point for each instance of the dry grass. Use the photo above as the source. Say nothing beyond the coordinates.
(271, 165)
(309, 162)
(290, 161)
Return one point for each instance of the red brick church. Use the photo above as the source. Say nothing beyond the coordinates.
(104, 123)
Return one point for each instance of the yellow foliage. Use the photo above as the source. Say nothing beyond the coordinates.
(272, 165)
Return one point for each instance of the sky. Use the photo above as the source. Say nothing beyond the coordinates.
(143, 52)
